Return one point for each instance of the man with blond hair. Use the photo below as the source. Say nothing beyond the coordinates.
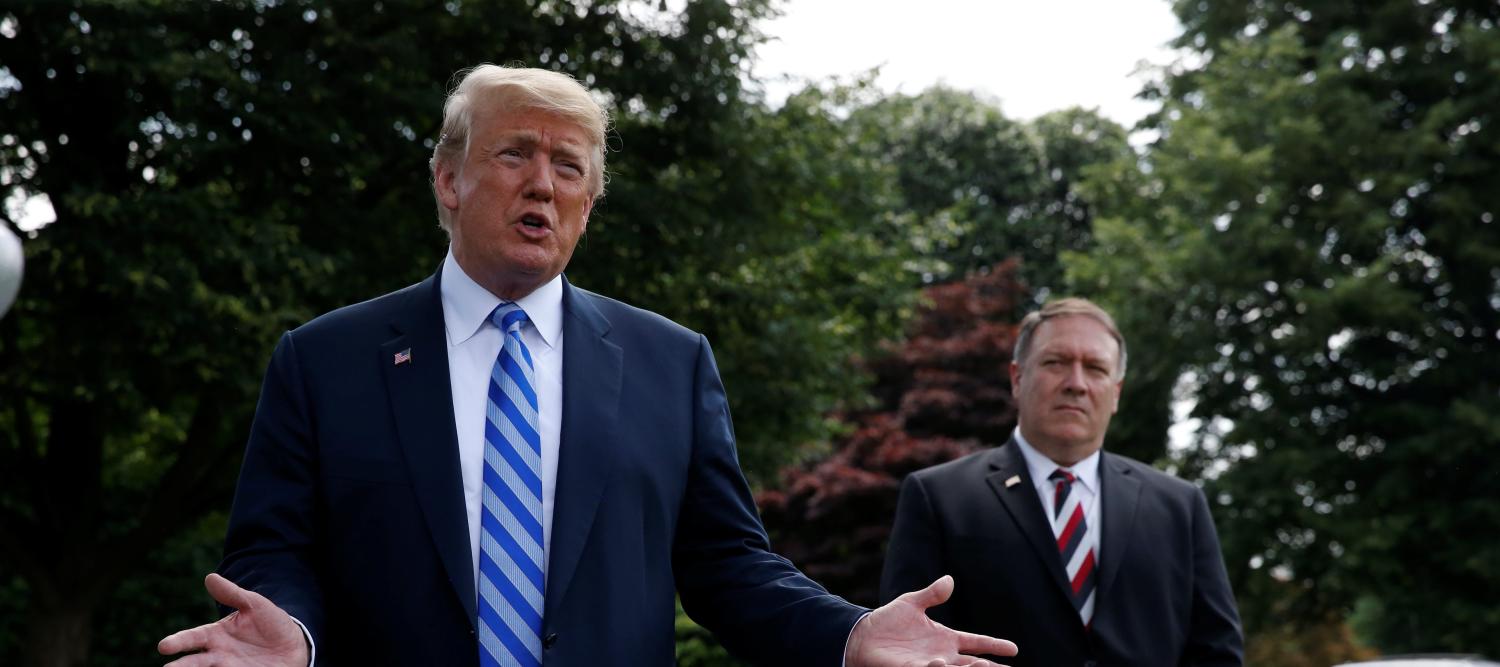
(1082, 557)
(495, 467)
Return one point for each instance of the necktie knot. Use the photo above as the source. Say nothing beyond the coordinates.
(1062, 480)
(508, 317)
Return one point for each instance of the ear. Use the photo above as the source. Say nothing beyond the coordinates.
(1015, 378)
(445, 184)
(1114, 406)
(587, 209)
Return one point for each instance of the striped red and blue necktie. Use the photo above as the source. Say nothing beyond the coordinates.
(1074, 542)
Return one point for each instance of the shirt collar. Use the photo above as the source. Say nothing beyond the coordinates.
(467, 305)
(1041, 467)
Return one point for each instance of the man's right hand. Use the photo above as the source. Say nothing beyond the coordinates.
(901, 635)
(257, 633)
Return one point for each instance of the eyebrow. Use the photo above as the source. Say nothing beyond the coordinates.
(569, 149)
(564, 147)
(1086, 356)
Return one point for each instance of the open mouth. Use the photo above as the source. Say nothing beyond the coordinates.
(534, 221)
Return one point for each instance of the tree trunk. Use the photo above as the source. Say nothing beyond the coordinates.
(59, 633)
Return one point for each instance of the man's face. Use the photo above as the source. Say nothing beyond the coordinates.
(519, 200)
(1067, 390)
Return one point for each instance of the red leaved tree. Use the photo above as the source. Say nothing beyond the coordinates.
(943, 393)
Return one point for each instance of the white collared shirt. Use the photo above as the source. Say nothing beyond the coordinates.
(1086, 485)
(473, 345)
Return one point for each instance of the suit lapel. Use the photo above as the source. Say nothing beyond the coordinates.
(1121, 492)
(421, 398)
(1020, 501)
(592, 366)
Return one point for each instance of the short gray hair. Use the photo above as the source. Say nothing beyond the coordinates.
(514, 89)
(1069, 307)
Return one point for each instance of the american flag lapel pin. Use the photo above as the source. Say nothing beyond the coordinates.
(402, 357)
(1014, 480)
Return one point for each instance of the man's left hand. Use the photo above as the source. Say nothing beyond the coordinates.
(900, 635)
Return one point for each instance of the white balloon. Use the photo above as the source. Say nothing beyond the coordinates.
(12, 262)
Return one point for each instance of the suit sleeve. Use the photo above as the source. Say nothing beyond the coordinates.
(1214, 640)
(272, 543)
(914, 558)
(756, 602)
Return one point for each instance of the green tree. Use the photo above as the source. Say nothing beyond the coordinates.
(941, 393)
(1311, 246)
(980, 188)
(223, 171)
(962, 168)
(1074, 143)
(778, 243)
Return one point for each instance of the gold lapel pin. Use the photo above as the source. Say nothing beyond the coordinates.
(1014, 480)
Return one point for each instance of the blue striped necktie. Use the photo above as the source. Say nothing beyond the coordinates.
(510, 526)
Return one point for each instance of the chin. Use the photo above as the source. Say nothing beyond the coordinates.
(528, 263)
(1075, 433)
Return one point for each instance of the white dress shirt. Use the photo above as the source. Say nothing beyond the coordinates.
(1085, 485)
(473, 344)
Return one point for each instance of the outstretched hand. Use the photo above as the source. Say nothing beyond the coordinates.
(900, 635)
(257, 633)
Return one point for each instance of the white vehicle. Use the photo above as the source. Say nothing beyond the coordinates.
(1432, 660)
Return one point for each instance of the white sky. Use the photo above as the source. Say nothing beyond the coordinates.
(1034, 56)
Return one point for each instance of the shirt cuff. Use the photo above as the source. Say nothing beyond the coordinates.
(312, 647)
(845, 661)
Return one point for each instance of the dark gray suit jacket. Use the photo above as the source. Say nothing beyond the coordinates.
(1162, 599)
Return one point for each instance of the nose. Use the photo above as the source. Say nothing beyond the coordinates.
(539, 184)
(1075, 381)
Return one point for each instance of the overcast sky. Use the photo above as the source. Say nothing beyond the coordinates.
(1034, 56)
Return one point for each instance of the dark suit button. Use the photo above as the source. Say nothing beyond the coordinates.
(549, 640)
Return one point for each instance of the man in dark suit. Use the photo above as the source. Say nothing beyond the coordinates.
(494, 467)
(1080, 556)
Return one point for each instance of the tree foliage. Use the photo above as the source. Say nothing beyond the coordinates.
(960, 161)
(1312, 246)
(775, 244)
(223, 171)
(1074, 144)
(982, 187)
(942, 393)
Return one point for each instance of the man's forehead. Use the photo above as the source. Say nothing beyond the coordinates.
(1071, 331)
(532, 134)
(524, 127)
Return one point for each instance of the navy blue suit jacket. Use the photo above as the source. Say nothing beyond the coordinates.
(349, 512)
(1162, 595)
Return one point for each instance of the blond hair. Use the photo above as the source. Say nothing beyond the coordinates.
(515, 89)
